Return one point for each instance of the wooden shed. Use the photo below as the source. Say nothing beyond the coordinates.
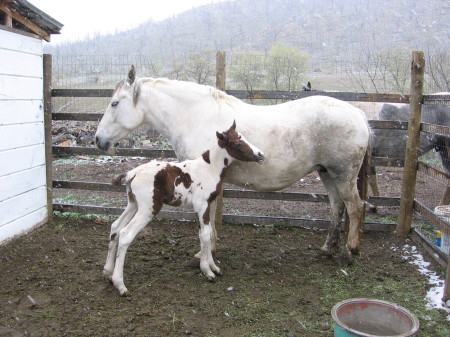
(23, 192)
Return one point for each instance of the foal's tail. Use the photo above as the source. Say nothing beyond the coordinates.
(119, 179)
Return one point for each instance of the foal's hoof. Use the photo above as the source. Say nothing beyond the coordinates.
(107, 276)
(124, 293)
(211, 277)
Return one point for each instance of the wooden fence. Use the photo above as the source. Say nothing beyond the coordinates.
(407, 202)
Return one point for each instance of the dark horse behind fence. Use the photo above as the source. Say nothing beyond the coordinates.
(317, 133)
(392, 143)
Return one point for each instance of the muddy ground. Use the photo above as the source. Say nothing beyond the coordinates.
(274, 283)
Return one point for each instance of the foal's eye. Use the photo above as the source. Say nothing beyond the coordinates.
(114, 103)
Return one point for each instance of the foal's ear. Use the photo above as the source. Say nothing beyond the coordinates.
(131, 75)
(220, 135)
(233, 127)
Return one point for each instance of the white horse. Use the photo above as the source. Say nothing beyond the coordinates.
(311, 134)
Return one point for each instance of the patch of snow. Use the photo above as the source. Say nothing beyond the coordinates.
(436, 292)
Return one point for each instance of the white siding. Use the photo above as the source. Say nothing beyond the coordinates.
(22, 152)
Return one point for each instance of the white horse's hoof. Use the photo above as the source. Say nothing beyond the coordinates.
(326, 250)
(345, 258)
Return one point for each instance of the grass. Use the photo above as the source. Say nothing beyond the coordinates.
(74, 215)
(385, 219)
(432, 159)
(85, 199)
(426, 229)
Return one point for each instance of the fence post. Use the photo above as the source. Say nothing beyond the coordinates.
(412, 144)
(47, 86)
(220, 84)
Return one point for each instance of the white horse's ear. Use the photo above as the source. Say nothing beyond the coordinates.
(131, 75)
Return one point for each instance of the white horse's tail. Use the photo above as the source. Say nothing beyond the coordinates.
(364, 173)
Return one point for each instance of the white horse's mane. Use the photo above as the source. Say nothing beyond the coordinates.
(218, 95)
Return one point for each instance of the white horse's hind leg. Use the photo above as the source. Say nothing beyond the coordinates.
(355, 207)
(126, 236)
(337, 210)
(117, 225)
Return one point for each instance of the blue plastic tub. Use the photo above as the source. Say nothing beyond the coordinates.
(365, 317)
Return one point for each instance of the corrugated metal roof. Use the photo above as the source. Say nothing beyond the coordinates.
(35, 15)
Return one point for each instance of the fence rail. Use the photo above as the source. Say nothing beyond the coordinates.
(228, 193)
(381, 160)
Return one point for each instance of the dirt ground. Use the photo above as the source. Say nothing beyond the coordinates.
(274, 284)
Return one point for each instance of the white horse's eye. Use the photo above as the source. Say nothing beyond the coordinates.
(114, 103)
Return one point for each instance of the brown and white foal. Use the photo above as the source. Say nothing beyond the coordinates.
(195, 183)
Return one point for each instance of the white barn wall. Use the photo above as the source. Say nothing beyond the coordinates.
(23, 198)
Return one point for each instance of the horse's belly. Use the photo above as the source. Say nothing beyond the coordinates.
(266, 177)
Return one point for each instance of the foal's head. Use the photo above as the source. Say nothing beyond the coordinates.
(238, 147)
(121, 116)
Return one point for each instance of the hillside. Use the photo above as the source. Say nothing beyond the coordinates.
(322, 28)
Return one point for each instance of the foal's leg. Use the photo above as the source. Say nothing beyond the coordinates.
(337, 210)
(117, 225)
(207, 265)
(212, 222)
(212, 216)
(126, 236)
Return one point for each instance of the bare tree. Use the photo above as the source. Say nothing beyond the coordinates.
(200, 68)
(438, 70)
(285, 66)
(247, 70)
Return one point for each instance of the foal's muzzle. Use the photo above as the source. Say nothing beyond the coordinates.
(260, 158)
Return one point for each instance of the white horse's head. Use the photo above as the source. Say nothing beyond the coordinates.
(122, 114)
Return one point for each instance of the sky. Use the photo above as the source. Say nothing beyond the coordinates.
(83, 17)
